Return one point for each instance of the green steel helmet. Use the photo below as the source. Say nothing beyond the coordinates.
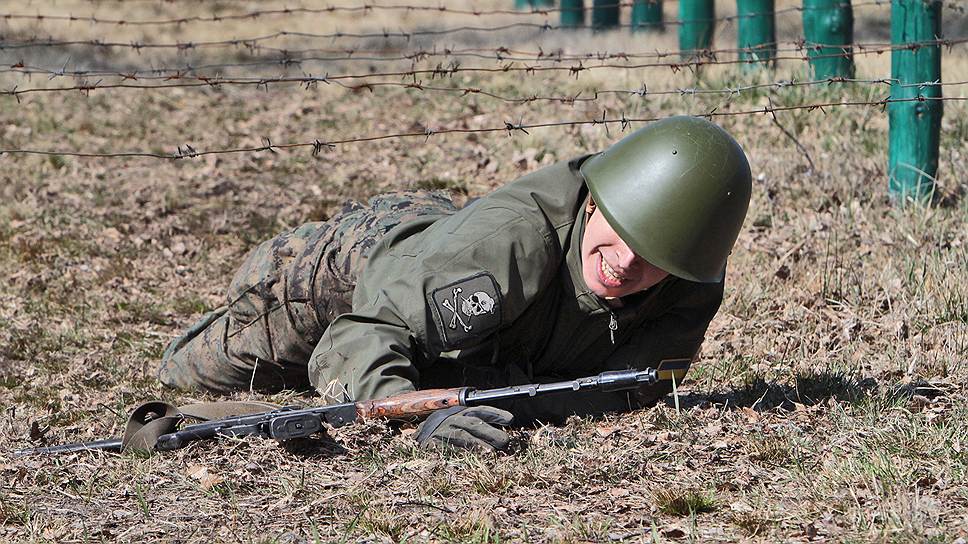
(676, 191)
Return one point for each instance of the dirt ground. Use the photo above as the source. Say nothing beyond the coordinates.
(828, 405)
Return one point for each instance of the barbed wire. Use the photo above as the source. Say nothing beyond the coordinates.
(386, 34)
(181, 80)
(540, 55)
(532, 8)
(249, 42)
(317, 146)
(500, 55)
(440, 9)
(497, 53)
(643, 91)
(255, 42)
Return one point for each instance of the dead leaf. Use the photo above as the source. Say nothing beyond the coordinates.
(606, 431)
(618, 492)
(206, 478)
(740, 506)
(211, 481)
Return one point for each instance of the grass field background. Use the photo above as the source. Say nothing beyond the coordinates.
(829, 402)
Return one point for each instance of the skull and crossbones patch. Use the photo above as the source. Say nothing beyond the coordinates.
(466, 309)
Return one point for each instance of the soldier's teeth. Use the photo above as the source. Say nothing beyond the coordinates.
(609, 271)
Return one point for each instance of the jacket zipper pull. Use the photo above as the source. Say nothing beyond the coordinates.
(612, 325)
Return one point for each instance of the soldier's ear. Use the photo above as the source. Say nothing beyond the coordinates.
(590, 205)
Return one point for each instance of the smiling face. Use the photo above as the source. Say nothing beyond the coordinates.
(609, 267)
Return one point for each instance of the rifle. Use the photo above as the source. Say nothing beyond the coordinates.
(291, 422)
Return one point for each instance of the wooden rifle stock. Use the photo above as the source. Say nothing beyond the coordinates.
(413, 404)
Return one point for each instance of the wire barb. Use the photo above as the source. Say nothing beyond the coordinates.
(319, 146)
(510, 127)
(189, 152)
(267, 145)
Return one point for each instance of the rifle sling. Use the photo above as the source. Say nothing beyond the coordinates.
(152, 419)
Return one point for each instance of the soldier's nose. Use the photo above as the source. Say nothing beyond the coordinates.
(624, 257)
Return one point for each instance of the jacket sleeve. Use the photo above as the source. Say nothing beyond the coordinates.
(446, 289)
(676, 335)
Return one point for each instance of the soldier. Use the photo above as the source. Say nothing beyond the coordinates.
(604, 262)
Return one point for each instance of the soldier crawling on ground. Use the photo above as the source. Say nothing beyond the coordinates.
(604, 262)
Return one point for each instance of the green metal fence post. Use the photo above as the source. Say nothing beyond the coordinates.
(647, 15)
(915, 126)
(605, 13)
(533, 4)
(572, 13)
(757, 30)
(696, 18)
(829, 22)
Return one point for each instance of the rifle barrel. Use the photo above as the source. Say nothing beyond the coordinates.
(618, 380)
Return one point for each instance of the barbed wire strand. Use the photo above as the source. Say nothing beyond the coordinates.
(798, 44)
(533, 8)
(255, 42)
(247, 42)
(189, 81)
(511, 128)
(386, 34)
(498, 54)
(367, 8)
(478, 91)
(644, 92)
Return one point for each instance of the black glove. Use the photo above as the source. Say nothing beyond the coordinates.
(475, 428)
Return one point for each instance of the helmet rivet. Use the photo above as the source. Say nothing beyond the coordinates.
(675, 151)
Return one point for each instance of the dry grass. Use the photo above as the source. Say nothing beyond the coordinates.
(829, 402)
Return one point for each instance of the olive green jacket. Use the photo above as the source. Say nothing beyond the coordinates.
(493, 295)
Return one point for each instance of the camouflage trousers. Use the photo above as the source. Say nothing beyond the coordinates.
(283, 297)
